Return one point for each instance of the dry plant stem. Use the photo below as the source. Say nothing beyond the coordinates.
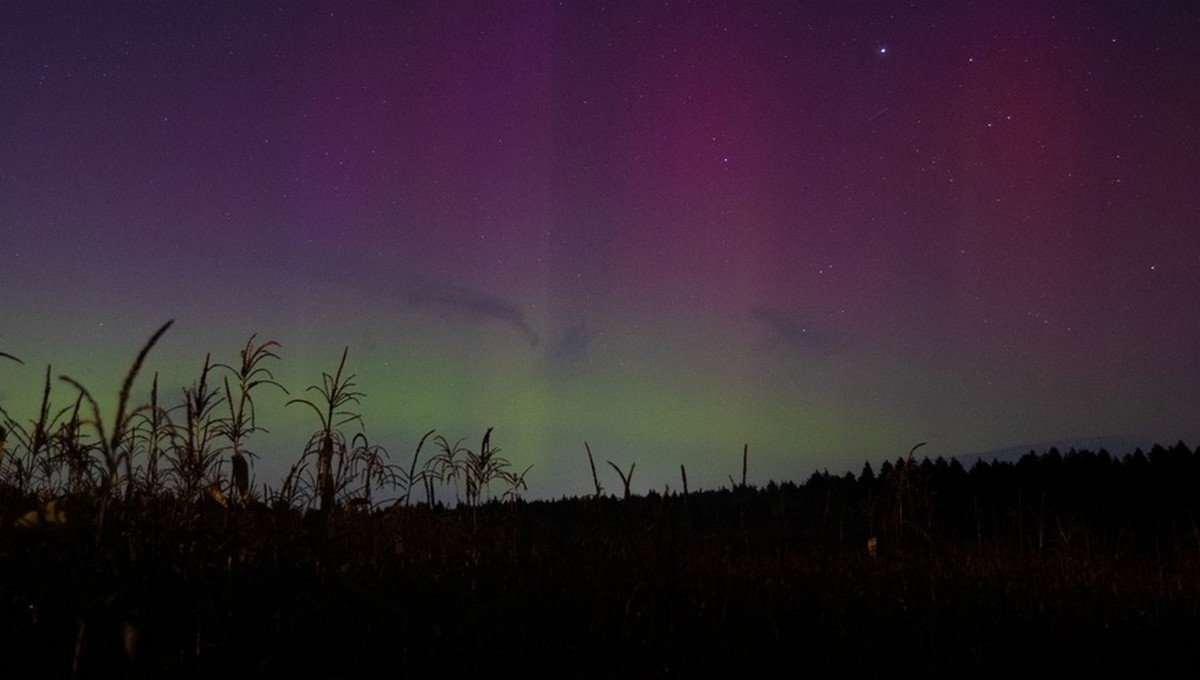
(196, 456)
(903, 484)
(337, 394)
(242, 420)
(516, 483)
(592, 462)
(32, 443)
(745, 454)
(480, 469)
(241, 477)
(111, 449)
(447, 466)
(683, 474)
(371, 461)
(72, 447)
(123, 402)
(412, 470)
(80, 640)
(158, 429)
(3, 429)
(325, 473)
(625, 478)
(115, 447)
(41, 429)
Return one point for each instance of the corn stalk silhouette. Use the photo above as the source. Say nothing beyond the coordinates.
(195, 457)
(153, 436)
(116, 449)
(33, 453)
(336, 394)
(241, 421)
(477, 469)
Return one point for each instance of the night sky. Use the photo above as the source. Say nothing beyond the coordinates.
(829, 230)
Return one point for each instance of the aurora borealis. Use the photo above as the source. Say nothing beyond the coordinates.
(828, 230)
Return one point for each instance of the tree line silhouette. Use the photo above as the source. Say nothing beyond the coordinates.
(1136, 501)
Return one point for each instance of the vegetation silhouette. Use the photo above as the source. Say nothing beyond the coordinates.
(129, 547)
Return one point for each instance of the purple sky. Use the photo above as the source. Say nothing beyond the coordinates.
(829, 230)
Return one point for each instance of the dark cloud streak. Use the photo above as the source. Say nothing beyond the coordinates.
(796, 332)
(428, 294)
(385, 280)
(572, 347)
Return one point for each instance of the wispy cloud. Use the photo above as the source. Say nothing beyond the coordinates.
(797, 332)
(572, 347)
(425, 293)
(568, 354)
(384, 281)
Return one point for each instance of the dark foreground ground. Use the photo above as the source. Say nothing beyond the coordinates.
(775, 582)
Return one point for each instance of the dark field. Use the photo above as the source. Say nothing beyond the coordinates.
(1006, 571)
